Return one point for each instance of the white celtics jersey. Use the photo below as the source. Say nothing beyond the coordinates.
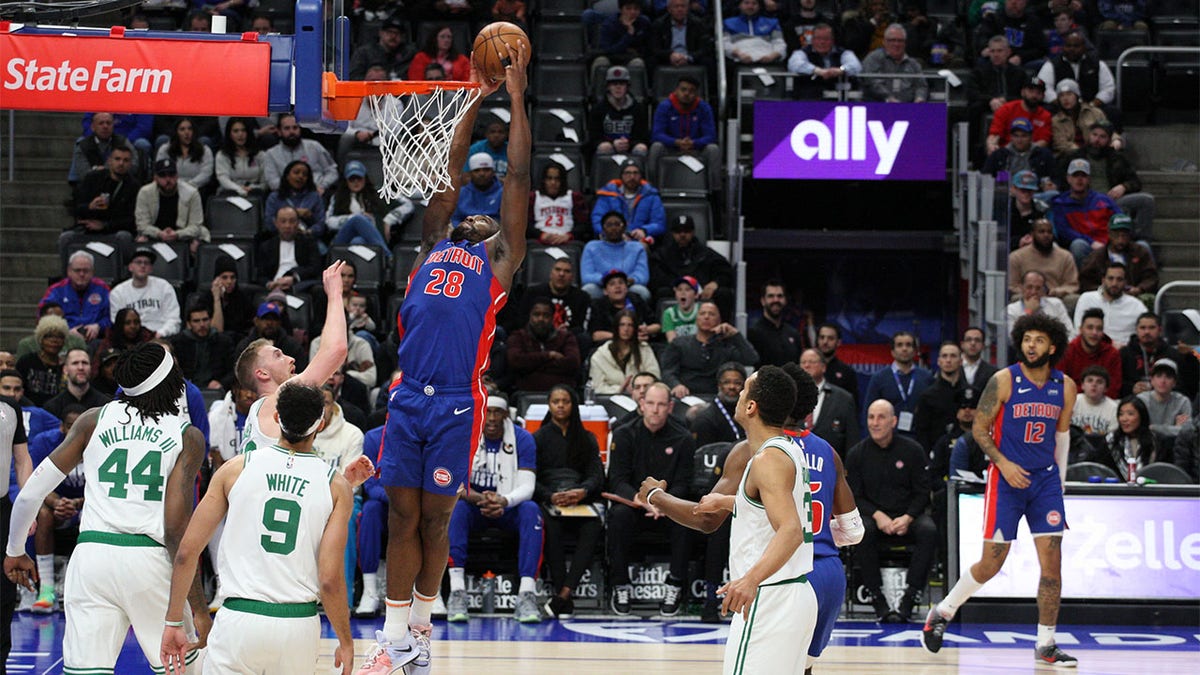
(278, 509)
(751, 530)
(126, 464)
(252, 434)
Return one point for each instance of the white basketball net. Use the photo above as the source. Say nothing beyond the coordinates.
(415, 131)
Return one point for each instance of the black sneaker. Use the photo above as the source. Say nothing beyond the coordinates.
(934, 630)
(881, 606)
(1053, 656)
(711, 612)
(560, 608)
(620, 599)
(910, 600)
(672, 598)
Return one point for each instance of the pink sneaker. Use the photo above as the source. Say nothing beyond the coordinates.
(388, 659)
(421, 664)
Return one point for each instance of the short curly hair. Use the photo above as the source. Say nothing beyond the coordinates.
(50, 324)
(1053, 328)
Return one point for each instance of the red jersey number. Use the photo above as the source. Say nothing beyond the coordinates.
(1035, 432)
(443, 283)
(818, 509)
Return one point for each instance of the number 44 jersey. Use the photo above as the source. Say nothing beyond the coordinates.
(126, 464)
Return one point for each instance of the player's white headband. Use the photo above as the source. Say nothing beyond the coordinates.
(497, 402)
(160, 373)
(308, 432)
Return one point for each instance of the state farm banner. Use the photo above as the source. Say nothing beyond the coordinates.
(820, 140)
(134, 75)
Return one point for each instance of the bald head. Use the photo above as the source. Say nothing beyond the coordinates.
(881, 422)
(812, 363)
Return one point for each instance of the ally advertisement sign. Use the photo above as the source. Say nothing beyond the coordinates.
(819, 140)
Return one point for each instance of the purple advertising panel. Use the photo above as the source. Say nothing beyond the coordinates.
(1129, 548)
(849, 141)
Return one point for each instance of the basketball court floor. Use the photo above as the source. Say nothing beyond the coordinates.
(602, 645)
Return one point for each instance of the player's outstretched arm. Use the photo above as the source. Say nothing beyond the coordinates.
(514, 202)
(175, 646)
(177, 513)
(681, 510)
(774, 475)
(332, 353)
(435, 224)
(331, 570)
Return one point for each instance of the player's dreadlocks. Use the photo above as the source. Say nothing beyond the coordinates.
(135, 366)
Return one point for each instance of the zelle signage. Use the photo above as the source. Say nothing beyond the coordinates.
(840, 141)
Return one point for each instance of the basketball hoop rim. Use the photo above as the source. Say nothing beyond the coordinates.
(343, 97)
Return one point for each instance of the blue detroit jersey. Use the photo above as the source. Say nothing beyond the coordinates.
(822, 477)
(1026, 424)
(450, 308)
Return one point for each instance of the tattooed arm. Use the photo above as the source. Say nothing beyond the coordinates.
(994, 396)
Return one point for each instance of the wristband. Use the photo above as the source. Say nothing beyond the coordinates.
(173, 624)
(650, 495)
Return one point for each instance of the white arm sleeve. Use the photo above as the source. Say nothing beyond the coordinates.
(1062, 450)
(42, 482)
(847, 528)
(523, 490)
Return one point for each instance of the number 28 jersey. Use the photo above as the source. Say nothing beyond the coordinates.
(450, 311)
(126, 464)
(1025, 428)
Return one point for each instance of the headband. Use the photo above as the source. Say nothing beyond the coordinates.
(308, 432)
(160, 373)
(497, 402)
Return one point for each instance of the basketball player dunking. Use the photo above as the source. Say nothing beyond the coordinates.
(1022, 425)
(836, 521)
(460, 280)
(140, 458)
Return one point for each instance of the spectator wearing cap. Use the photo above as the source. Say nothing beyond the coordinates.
(680, 318)
(1121, 310)
(170, 210)
(391, 51)
(637, 201)
(683, 254)
(481, 194)
(1022, 155)
(355, 211)
(1024, 209)
(1169, 409)
(684, 125)
(1029, 107)
(152, 297)
(1035, 298)
(1080, 214)
(624, 39)
(289, 259)
(602, 321)
(680, 38)
(821, 63)
(938, 404)
(1045, 256)
(1023, 30)
(268, 325)
(776, 341)
(995, 81)
(1069, 126)
(618, 123)
(231, 307)
(892, 59)
(1092, 76)
(81, 298)
(751, 37)
(1115, 176)
(614, 251)
(539, 356)
(495, 144)
(1142, 276)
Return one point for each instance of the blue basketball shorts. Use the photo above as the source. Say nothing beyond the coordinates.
(1041, 504)
(431, 435)
(828, 580)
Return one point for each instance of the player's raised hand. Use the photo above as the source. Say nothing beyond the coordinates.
(516, 73)
(487, 86)
(359, 471)
(1014, 474)
(331, 279)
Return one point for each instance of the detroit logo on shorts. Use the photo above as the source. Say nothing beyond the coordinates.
(1053, 518)
(442, 476)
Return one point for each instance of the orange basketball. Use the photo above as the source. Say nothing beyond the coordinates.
(490, 54)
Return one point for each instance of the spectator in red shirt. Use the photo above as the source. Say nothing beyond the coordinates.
(1093, 348)
(1030, 107)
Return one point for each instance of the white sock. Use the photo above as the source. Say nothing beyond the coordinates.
(395, 620)
(45, 568)
(458, 579)
(422, 609)
(1045, 635)
(962, 591)
(371, 584)
(528, 585)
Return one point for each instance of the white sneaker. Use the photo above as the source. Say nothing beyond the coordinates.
(439, 607)
(421, 664)
(368, 606)
(389, 659)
